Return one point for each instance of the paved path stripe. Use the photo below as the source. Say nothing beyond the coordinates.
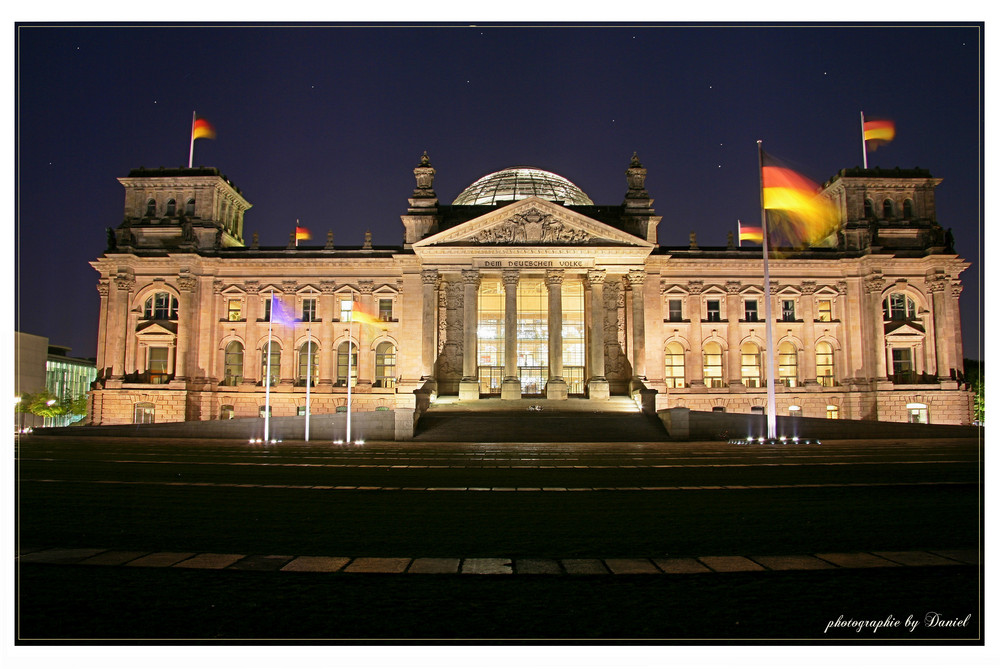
(497, 566)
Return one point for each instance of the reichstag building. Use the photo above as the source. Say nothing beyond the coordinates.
(523, 287)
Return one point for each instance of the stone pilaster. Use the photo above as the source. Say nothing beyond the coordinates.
(636, 279)
(186, 324)
(556, 388)
(877, 355)
(429, 279)
(468, 387)
(939, 302)
(733, 312)
(510, 389)
(120, 298)
(366, 357)
(597, 385)
(103, 288)
(696, 373)
(808, 365)
(327, 362)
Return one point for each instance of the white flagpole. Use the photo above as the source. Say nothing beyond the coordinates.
(267, 374)
(739, 231)
(350, 346)
(864, 144)
(309, 365)
(194, 117)
(772, 428)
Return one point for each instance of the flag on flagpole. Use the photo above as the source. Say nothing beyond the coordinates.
(301, 233)
(749, 233)
(879, 132)
(280, 313)
(801, 214)
(358, 315)
(202, 129)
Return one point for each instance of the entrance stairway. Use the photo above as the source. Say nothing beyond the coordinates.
(537, 421)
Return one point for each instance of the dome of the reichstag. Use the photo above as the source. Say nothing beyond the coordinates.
(519, 183)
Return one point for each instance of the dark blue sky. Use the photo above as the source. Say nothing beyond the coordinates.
(325, 125)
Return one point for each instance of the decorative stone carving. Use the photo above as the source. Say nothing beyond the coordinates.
(874, 283)
(187, 283)
(329, 240)
(424, 174)
(471, 276)
(429, 276)
(842, 288)
(327, 287)
(808, 287)
(695, 287)
(733, 287)
(554, 277)
(510, 277)
(103, 287)
(366, 286)
(595, 276)
(532, 227)
(636, 277)
(635, 175)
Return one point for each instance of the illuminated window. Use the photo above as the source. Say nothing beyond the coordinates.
(159, 357)
(385, 309)
(788, 364)
(308, 310)
(902, 365)
(824, 310)
(346, 307)
(233, 372)
(345, 363)
(674, 357)
(308, 363)
(265, 410)
(674, 312)
(227, 412)
(712, 358)
(832, 411)
(788, 310)
(713, 310)
(235, 310)
(385, 365)
(794, 410)
(916, 412)
(532, 335)
(573, 336)
(270, 373)
(824, 364)
(490, 335)
(750, 365)
(899, 307)
(160, 306)
(145, 412)
(749, 310)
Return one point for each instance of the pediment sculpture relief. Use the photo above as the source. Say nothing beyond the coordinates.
(532, 227)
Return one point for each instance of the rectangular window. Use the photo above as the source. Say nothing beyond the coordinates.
(902, 365)
(267, 309)
(235, 311)
(158, 364)
(308, 310)
(832, 412)
(346, 306)
(674, 310)
(824, 310)
(385, 309)
(714, 311)
(788, 310)
(750, 310)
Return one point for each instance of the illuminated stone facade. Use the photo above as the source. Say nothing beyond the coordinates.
(520, 295)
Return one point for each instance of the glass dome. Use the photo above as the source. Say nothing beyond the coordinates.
(519, 183)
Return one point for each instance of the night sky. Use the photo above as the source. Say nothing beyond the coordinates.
(325, 124)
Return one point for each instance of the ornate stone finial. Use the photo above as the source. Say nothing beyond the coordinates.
(424, 175)
(692, 240)
(554, 277)
(635, 175)
(471, 277)
(291, 240)
(729, 240)
(255, 243)
(636, 277)
(510, 277)
(368, 240)
(329, 240)
(596, 276)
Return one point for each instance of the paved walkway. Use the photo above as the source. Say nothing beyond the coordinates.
(479, 565)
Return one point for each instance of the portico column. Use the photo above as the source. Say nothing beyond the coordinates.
(941, 322)
(327, 349)
(636, 279)
(429, 277)
(119, 311)
(103, 287)
(468, 387)
(366, 358)
(809, 333)
(511, 387)
(597, 385)
(556, 388)
(873, 286)
(734, 363)
(185, 325)
(696, 373)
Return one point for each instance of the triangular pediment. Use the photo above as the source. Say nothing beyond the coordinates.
(533, 222)
(904, 329)
(156, 329)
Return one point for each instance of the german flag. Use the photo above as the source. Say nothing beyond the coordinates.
(358, 315)
(749, 233)
(878, 133)
(202, 129)
(301, 233)
(798, 212)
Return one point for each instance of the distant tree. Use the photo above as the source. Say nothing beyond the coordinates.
(977, 384)
(43, 403)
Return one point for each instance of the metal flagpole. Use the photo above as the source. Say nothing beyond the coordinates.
(194, 117)
(864, 145)
(739, 231)
(267, 374)
(350, 345)
(771, 412)
(309, 365)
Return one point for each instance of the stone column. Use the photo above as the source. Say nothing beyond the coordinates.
(131, 344)
(510, 389)
(327, 368)
(956, 324)
(597, 386)
(366, 357)
(252, 354)
(468, 387)
(939, 302)
(636, 279)
(808, 365)
(119, 318)
(873, 291)
(102, 326)
(843, 364)
(430, 279)
(186, 324)
(734, 359)
(556, 388)
(696, 372)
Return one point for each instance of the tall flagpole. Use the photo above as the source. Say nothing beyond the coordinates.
(771, 412)
(194, 117)
(864, 145)
(739, 231)
(309, 365)
(267, 374)
(350, 345)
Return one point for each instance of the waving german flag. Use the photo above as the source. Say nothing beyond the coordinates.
(800, 215)
(878, 133)
(202, 129)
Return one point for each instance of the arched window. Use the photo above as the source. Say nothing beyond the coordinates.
(160, 307)
(385, 365)
(788, 364)
(344, 363)
(150, 208)
(869, 209)
(824, 364)
(750, 365)
(899, 307)
(674, 360)
(712, 358)
(145, 412)
(274, 373)
(171, 207)
(233, 372)
(907, 209)
(887, 208)
(308, 363)
(189, 207)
